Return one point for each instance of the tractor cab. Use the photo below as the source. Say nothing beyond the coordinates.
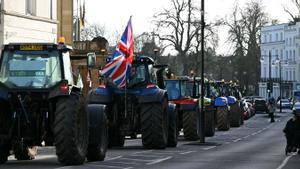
(35, 66)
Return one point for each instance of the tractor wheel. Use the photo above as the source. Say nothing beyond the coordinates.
(4, 128)
(4, 153)
(71, 130)
(172, 132)
(115, 139)
(235, 115)
(26, 153)
(154, 125)
(98, 134)
(190, 125)
(210, 122)
(223, 122)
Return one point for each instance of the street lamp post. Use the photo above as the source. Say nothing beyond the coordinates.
(202, 114)
(280, 82)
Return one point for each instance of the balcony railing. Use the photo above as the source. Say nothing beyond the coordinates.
(276, 80)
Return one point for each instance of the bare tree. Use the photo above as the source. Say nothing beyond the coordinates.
(175, 27)
(244, 33)
(295, 16)
(92, 31)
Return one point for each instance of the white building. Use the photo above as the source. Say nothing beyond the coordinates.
(28, 21)
(282, 42)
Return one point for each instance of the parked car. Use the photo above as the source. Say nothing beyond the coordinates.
(296, 106)
(260, 104)
(285, 104)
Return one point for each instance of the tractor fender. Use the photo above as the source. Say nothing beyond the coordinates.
(99, 96)
(221, 101)
(231, 100)
(95, 113)
(3, 93)
(151, 97)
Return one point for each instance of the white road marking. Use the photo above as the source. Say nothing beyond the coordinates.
(146, 155)
(109, 166)
(246, 136)
(188, 152)
(113, 158)
(146, 151)
(118, 162)
(208, 148)
(133, 159)
(285, 161)
(159, 160)
(239, 139)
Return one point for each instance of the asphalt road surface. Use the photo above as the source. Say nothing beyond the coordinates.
(258, 144)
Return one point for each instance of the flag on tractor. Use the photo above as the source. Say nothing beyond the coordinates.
(118, 68)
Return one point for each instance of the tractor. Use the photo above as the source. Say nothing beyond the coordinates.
(210, 94)
(41, 103)
(228, 107)
(186, 106)
(141, 107)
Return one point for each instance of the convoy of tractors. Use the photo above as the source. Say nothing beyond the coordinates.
(43, 103)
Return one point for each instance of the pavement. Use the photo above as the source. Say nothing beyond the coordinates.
(258, 144)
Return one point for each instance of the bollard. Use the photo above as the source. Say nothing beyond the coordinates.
(272, 117)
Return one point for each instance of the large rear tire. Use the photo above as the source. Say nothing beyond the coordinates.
(71, 130)
(235, 115)
(172, 132)
(190, 125)
(98, 134)
(223, 122)
(210, 127)
(154, 125)
(5, 122)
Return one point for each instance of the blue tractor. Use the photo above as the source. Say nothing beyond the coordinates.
(141, 108)
(228, 107)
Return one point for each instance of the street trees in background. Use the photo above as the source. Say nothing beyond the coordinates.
(179, 27)
(92, 31)
(295, 16)
(244, 33)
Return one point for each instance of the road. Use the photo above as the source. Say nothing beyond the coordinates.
(258, 144)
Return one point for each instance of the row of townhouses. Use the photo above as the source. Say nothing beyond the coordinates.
(280, 55)
(35, 20)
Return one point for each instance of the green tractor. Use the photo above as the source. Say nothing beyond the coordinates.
(41, 102)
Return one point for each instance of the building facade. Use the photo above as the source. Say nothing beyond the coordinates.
(280, 54)
(28, 21)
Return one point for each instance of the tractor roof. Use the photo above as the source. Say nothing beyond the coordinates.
(36, 46)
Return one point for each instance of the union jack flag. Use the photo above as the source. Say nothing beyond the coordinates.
(118, 68)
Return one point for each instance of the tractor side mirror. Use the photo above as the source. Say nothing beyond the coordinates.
(91, 60)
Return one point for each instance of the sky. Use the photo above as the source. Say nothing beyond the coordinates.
(114, 14)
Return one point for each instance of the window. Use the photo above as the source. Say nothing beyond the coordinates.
(270, 38)
(290, 56)
(286, 55)
(294, 75)
(31, 7)
(276, 36)
(281, 36)
(294, 55)
(281, 54)
(265, 72)
(286, 75)
(290, 41)
(265, 38)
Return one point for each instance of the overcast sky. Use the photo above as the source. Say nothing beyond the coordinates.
(114, 14)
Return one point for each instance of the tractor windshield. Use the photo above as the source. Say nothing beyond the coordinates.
(137, 75)
(35, 69)
(177, 89)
